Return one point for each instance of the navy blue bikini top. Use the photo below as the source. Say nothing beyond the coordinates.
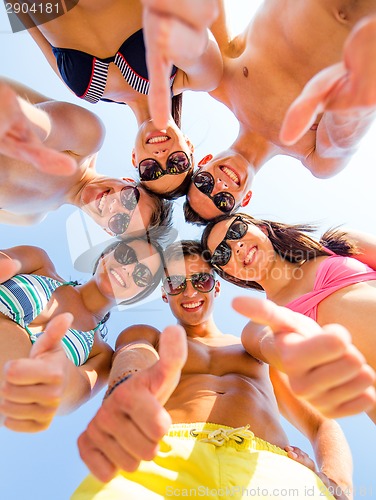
(86, 75)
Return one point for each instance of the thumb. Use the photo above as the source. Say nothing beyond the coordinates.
(278, 318)
(165, 374)
(313, 99)
(51, 337)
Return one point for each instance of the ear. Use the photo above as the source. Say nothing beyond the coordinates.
(205, 160)
(217, 288)
(134, 159)
(189, 144)
(164, 295)
(246, 199)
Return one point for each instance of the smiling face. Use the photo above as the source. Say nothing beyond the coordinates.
(250, 257)
(231, 173)
(127, 270)
(190, 307)
(160, 145)
(116, 206)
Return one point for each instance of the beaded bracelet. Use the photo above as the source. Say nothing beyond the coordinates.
(119, 380)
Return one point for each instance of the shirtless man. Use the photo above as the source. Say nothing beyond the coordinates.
(279, 59)
(48, 151)
(221, 384)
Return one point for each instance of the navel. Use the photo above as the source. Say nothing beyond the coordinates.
(245, 71)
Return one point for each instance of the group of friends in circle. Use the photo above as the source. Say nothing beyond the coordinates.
(309, 351)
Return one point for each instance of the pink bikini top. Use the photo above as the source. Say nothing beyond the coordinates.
(333, 273)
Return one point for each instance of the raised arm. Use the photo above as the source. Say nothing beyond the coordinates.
(24, 259)
(346, 95)
(36, 129)
(332, 452)
(323, 366)
(131, 421)
(177, 33)
(366, 244)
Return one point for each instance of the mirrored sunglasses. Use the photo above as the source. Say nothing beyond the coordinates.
(129, 198)
(125, 255)
(202, 282)
(236, 231)
(204, 182)
(151, 170)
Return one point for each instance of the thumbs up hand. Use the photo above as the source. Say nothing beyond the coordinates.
(132, 420)
(32, 388)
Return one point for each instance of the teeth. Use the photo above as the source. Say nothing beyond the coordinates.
(102, 201)
(118, 278)
(158, 139)
(230, 173)
(191, 305)
(250, 255)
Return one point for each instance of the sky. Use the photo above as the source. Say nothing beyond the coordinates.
(47, 465)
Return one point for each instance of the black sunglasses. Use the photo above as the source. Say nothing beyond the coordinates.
(236, 231)
(204, 182)
(202, 282)
(129, 197)
(151, 170)
(125, 255)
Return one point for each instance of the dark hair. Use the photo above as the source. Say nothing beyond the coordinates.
(185, 248)
(176, 108)
(177, 192)
(290, 242)
(192, 216)
(145, 292)
(162, 213)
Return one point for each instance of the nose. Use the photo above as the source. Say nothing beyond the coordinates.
(220, 185)
(237, 247)
(189, 291)
(160, 152)
(115, 205)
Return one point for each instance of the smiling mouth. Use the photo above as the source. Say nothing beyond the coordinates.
(250, 256)
(192, 305)
(158, 139)
(101, 200)
(118, 278)
(229, 172)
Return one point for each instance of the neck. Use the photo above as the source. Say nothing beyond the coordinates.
(255, 148)
(94, 300)
(278, 278)
(140, 109)
(206, 329)
(85, 174)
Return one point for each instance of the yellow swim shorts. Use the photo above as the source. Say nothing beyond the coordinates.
(204, 460)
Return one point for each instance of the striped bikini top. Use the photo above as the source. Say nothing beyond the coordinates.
(23, 298)
(86, 75)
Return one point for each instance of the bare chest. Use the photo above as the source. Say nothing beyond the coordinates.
(219, 360)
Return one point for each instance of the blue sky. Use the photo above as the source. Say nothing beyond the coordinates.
(47, 466)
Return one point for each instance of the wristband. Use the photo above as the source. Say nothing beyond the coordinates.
(116, 383)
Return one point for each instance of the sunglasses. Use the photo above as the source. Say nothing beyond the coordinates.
(151, 170)
(125, 255)
(129, 197)
(236, 231)
(204, 182)
(202, 282)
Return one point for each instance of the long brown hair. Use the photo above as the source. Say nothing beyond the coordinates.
(289, 241)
